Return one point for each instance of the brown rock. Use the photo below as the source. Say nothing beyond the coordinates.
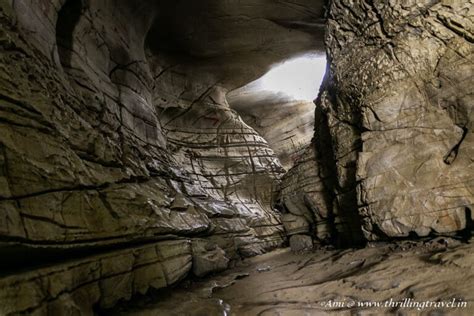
(208, 258)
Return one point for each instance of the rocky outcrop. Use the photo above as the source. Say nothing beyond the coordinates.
(303, 195)
(392, 126)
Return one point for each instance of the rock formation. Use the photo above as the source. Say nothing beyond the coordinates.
(287, 125)
(398, 109)
(393, 140)
(122, 166)
(409, 278)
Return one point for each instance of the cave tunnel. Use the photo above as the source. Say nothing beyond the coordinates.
(238, 157)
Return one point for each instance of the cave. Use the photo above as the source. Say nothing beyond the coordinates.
(240, 157)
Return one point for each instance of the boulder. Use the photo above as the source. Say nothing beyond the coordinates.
(301, 243)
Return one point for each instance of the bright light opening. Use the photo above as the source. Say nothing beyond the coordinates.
(299, 78)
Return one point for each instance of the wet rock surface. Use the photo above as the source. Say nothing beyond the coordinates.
(313, 283)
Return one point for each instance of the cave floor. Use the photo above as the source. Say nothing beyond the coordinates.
(329, 281)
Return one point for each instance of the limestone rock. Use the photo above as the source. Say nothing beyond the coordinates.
(399, 116)
(110, 139)
(118, 144)
(92, 154)
(392, 125)
(208, 258)
(286, 125)
(303, 192)
(301, 243)
(335, 277)
(295, 224)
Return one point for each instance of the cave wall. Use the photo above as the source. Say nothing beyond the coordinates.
(287, 125)
(400, 113)
(394, 141)
(122, 166)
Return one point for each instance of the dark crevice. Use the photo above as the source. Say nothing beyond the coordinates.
(98, 187)
(19, 257)
(328, 167)
(466, 233)
(453, 153)
(345, 232)
(456, 28)
(68, 18)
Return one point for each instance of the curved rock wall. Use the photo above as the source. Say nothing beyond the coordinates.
(123, 160)
(287, 126)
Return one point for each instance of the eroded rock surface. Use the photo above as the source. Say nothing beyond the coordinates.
(74, 287)
(304, 195)
(400, 114)
(301, 243)
(287, 125)
(207, 258)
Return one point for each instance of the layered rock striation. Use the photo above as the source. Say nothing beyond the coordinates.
(122, 166)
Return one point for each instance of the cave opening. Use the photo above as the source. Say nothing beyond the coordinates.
(280, 104)
(298, 78)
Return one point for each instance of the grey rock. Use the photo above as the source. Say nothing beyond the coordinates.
(301, 243)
